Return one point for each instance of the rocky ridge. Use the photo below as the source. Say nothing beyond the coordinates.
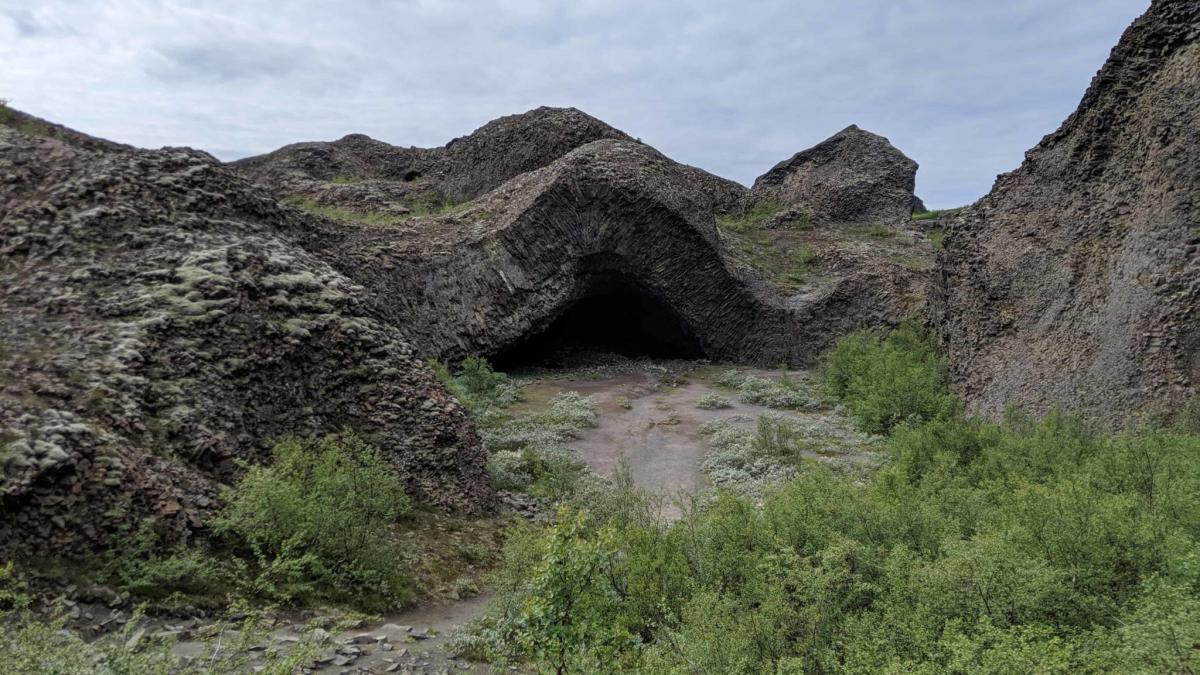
(165, 317)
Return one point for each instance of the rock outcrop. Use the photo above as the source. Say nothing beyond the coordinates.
(159, 321)
(369, 175)
(1075, 283)
(606, 222)
(854, 176)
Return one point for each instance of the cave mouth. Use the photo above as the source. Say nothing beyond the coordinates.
(613, 318)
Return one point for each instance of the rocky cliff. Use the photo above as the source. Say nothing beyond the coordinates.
(1075, 282)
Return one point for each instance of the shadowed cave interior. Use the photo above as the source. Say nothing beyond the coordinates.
(614, 316)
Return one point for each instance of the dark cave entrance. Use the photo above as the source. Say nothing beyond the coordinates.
(614, 317)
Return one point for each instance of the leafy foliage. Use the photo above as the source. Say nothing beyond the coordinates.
(887, 378)
(1023, 545)
(480, 389)
(318, 522)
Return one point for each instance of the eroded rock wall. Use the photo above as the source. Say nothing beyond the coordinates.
(1075, 283)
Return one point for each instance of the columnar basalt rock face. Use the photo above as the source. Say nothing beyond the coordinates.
(1076, 281)
(158, 323)
(506, 267)
(854, 176)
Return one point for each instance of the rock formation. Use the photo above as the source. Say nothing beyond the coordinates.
(164, 317)
(612, 228)
(373, 175)
(158, 322)
(854, 176)
(1075, 282)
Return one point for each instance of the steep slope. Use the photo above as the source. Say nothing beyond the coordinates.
(1076, 281)
(160, 322)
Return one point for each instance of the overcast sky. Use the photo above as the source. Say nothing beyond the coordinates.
(962, 86)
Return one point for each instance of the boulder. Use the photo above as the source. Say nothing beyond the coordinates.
(854, 176)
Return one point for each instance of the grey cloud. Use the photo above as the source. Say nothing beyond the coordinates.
(963, 87)
(227, 60)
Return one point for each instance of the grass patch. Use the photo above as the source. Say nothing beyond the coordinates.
(928, 215)
(936, 236)
(26, 125)
(345, 180)
(751, 218)
(880, 231)
(346, 215)
(802, 264)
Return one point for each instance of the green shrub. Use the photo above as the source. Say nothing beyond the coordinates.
(13, 593)
(480, 389)
(144, 567)
(888, 378)
(1021, 545)
(319, 523)
(782, 394)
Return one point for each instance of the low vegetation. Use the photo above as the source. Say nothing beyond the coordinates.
(887, 378)
(750, 218)
(984, 547)
(22, 123)
(527, 452)
(713, 401)
(781, 394)
(34, 644)
(347, 215)
(936, 236)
